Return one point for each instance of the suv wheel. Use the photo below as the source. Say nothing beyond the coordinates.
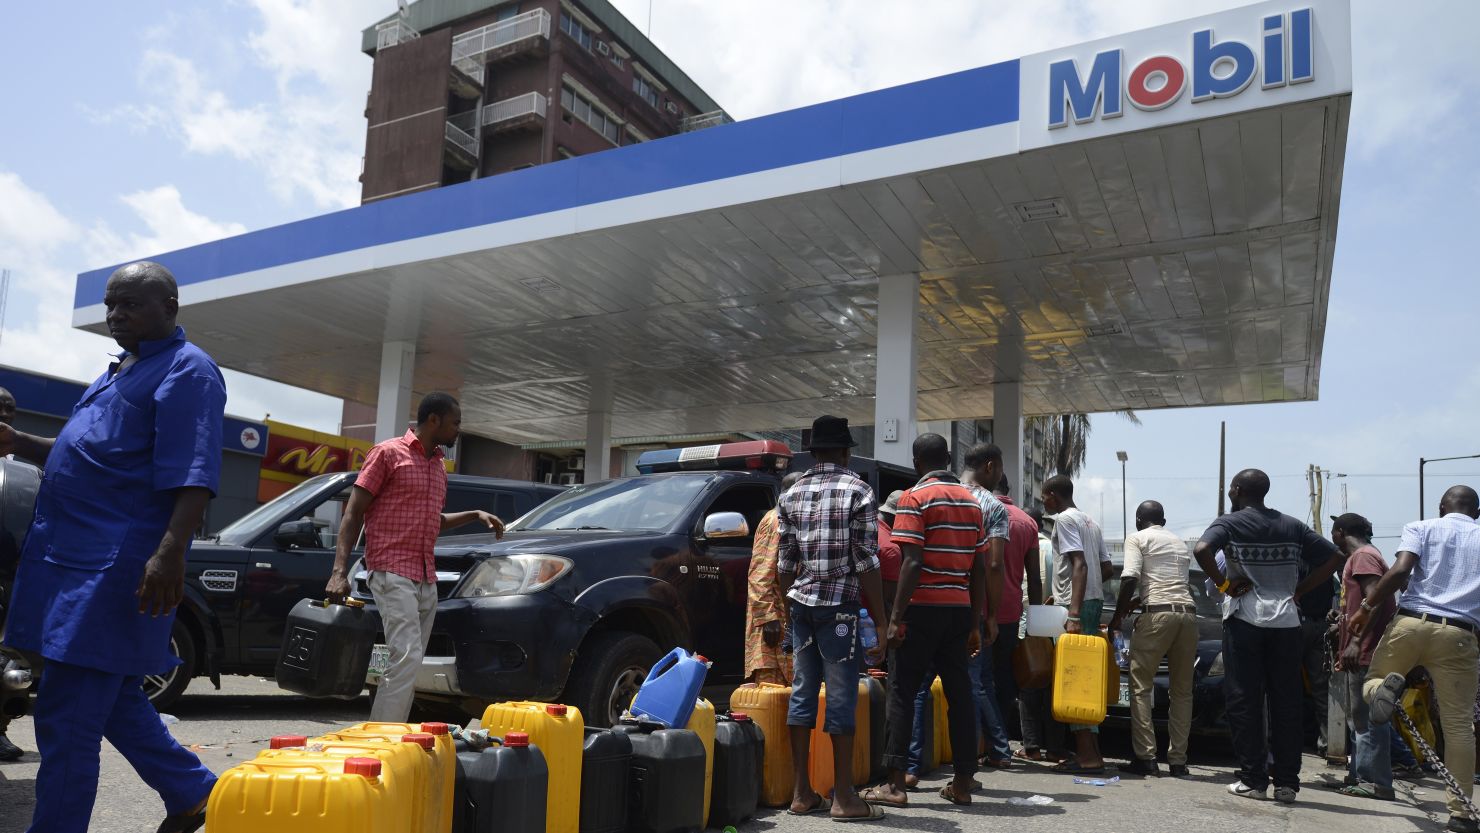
(608, 672)
(164, 689)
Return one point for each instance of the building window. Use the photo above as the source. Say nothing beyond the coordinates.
(645, 90)
(577, 32)
(590, 114)
(506, 11)
(617, 60)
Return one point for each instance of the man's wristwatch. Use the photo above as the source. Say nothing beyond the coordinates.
(1227, 582)
(1367, 607)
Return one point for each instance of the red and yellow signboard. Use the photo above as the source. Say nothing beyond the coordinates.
(295, 454)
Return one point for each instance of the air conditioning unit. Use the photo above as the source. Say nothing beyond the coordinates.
(673, 108)
(603, 48)
(568, 479)
(578, 463)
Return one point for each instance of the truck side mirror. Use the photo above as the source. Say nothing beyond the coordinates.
(296, 535)
(726, 525)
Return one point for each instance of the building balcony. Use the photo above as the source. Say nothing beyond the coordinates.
(703, 120)
(394, 32)
(518, 113)
(520, 35)
(460, 145)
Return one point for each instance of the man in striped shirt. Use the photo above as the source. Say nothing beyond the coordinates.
(937, 614)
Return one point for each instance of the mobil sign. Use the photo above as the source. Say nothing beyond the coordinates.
(1209, 68)
(1242, 59)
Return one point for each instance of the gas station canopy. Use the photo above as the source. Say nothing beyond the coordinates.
(1146, 221)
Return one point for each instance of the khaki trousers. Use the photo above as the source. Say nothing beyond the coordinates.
(1157, 635)
(1450, 654)
(407, 609)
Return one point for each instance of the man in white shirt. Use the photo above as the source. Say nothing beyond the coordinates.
(1438, 617)
(1157, 565)
(1079, 548)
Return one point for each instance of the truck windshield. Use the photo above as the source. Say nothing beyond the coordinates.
(633, 504)
(299, 500)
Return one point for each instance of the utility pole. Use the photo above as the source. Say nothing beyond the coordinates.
(1317, 494)
(1222, 464)
(4, 295)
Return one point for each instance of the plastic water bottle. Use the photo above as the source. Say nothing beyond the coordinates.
(867, 632)
(1122, 650)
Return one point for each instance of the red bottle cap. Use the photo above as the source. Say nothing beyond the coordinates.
(556, 709)
(517, 740)
(287, 741)
(421, 739)
(368, 767)
(701, 658)
(435, 728)
(740, 717)
(877, 674)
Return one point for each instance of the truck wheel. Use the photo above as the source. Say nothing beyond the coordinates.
(164, 689)
(609, 670)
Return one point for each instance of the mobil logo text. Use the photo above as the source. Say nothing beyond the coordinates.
(1217, 69)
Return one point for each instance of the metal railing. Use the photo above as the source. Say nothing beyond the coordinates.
(393, 32)
(461, 137)
(469, 47)
(513, 108)
(703, 120)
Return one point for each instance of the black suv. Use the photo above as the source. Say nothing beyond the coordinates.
(585, 593)
(241, 584)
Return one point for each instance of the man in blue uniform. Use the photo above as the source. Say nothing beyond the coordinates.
(103, 568)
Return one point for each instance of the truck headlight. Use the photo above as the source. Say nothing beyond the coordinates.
(513, 575)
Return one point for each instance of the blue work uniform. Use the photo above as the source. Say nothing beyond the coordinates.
(103, 507)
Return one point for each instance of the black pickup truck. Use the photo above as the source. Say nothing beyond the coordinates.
(585, 593)
(241, 584)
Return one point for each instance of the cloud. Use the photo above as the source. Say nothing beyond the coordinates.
(38, 333)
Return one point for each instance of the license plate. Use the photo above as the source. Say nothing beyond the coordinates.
(1125, 694)
(380, 660)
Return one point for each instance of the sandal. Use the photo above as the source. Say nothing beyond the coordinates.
(875, 795)
(1071, 766)
(823, 805)
(1366, 791)
(874, 814)
(1025, 755)
(949, 795)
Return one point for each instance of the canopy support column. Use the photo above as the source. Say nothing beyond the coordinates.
(1007, 434)
(598, 446)
(393, 404)
(895, 392)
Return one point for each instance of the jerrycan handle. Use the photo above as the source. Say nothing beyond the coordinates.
(661, 666)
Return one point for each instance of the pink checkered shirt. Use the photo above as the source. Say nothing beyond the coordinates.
(405, 517)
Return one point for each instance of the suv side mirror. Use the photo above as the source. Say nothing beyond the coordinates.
(726, 525)
(296, 535)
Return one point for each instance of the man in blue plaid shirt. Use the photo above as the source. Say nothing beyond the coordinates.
(828, 551)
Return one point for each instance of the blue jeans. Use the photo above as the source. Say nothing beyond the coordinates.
(1400, 754)
(75, 709)
(917, 735)
(1371, 759)
(825, 649)
(988, 711)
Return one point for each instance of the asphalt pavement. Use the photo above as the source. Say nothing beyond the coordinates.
(229, 726)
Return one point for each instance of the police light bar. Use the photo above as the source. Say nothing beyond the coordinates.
(755, 455)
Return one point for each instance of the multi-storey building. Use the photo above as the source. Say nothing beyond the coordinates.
(470, 88)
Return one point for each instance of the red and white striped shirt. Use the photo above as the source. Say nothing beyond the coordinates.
(405, 518)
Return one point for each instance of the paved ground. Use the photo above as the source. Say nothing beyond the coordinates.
(232, 724)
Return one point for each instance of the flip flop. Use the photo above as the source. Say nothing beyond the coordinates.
(873, 796)
(1072, 767)
(1364, 791)
(823, 805)
(874, 814)
(945, 792)
(1025, 755)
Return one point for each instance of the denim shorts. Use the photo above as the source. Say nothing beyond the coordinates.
(825, 649)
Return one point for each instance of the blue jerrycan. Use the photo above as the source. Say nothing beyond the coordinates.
(672, 687)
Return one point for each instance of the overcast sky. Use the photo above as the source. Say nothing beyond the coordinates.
(137, 128)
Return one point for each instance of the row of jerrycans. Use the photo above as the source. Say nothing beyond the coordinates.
(368, 778)
(636, 776)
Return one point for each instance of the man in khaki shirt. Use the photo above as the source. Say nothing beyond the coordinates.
(1156, 568)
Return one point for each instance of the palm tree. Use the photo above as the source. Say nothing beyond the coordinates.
(1067, 439)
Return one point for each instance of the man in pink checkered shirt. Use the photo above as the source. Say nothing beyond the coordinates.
(397, 500)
